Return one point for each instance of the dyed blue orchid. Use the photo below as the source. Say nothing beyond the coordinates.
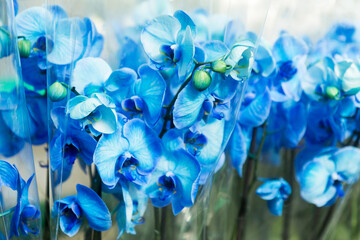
(240, 59)
(138, 97)
(275, 192)
(90, 75)
(175, 181)
(287, 123)
(321, 82)
(24, 213)
(131, 209)
(329, 121)
(203, 141)
(74, 38)
(349, 74)
(130, 153)
(168, 41)
(72, 210)
(69, 143)
(192, 104)
(289, 53)
(98, 111)
(239, 145)
(322, 174)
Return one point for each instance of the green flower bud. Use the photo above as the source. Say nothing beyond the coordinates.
(218, 66)
(201, 80)
(57, 92)
(332, 92)
(24, 48)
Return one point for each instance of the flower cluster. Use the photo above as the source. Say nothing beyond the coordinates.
(155, 127)
(304, 95)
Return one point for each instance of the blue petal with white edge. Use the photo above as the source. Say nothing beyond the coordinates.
(144, 145)
(108, 150)
(347, 161)
(120, 83)
(214, 133)
(68, 42)
(80, 107)
(31, 23)
(257, 111)
(314, 183)
(185, 21)
(151, 89)
(214, 50)
(187, 170)
(105, 120)
(161, 31)
(187, 49)
(188, 106)
(94, 208)
(239, 146)
(90, 71)
(269, 190)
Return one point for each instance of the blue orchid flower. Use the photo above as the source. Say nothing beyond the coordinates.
(74, 38)
(240, 59)
(203, 141)
(90, 75)
(275, 192)
(138, 97)
(175, 181)
(68, 143)
(131, 209)
(349, 74)
(73, 209)
(192, 104)
(321, 174)
(130, 153)
(168, 42)
(289, 53)
(98, 111)
(24, 213)
(321, 82)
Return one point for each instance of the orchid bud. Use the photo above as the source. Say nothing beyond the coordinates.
(57, 92)
(24, 48)
(218, 66)
(201, 80)
(332, 92)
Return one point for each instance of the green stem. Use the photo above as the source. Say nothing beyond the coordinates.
(171, 105)
(326, 222)
(244, 195)
(157, 230)
(95, 182)
(72, 89)
(289, 172)
(47, 200)
(7, 212)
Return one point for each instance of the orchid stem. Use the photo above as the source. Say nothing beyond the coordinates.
(7, 212)
(157, 230)
(95, 182)
(289, 171)
(244, 196)
(326, 222)
(47, 199)
(172, 103)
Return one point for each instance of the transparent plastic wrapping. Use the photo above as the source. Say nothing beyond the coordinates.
(19, 201)
(305, 123)
(142, 99)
